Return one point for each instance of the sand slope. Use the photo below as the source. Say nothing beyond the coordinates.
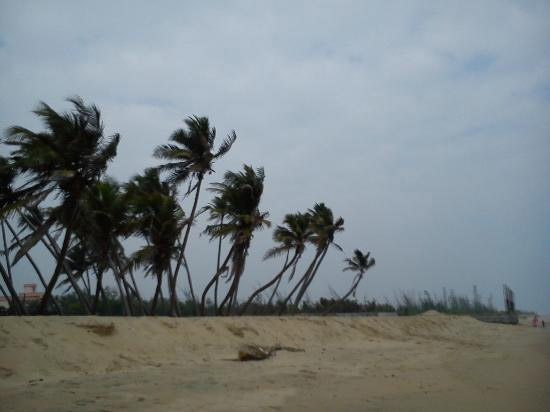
(428, 362)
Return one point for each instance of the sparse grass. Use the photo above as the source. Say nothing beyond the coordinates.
(410, 303)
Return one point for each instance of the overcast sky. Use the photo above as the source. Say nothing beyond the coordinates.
(425, 125)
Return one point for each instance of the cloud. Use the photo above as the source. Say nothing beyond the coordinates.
(424, 125)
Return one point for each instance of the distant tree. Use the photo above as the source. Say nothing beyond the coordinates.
(291, 237)
(359, 263)
(159, 219)
(67, 158)
(324, 227)
(190, 156)
(242, 191)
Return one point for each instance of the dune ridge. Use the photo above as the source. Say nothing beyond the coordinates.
(348, 362)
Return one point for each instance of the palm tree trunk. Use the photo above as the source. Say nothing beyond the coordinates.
(278, 282)
(53, 248)
(15, 302)
(352, 289)
(172, 292)
(6, 255)
(97, 292)
(184, 244)
(157, 293)
(231, 296)
(34, 265)
(308, 281)
(300, 282)
(218, 268)
(278, 277)
(222, 269)
(123, 299)
(60, 260)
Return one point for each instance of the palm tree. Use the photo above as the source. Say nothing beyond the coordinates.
(191, 156)
(324, 227)
(218, 209)
(292, 237)
(7, 197)
(242, 191)
(158, 218)
(105, 217)
(359, 263)
(67, 158)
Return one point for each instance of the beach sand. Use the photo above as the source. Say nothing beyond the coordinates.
(430, 362)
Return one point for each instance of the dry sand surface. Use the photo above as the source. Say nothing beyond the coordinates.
(430, 362)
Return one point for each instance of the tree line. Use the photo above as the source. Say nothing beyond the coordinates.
(54, 191)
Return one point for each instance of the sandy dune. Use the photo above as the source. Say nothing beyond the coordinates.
(422, 363)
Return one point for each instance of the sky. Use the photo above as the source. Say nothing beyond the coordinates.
(424, 124)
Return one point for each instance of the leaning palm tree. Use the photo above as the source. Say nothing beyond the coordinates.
(7, 197)
(293, 237)
(218, 209)
(190, 156)
(67, 158)
(158, 218)
(324, 227)
(242, 191)
(105, 215)
(359, 263)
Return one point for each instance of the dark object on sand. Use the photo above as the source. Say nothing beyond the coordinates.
(250, 352)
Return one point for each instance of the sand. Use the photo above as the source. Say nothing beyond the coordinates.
(423, 363)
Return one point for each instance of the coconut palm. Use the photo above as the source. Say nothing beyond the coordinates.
(158, 218)
(190, 156)
(218, 209)
(242, 191)
(359, 263)
(7, 177)
(104, 219)
(324, 227)
(293, 237)
(67, 158)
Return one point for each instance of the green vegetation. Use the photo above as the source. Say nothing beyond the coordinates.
(54, 191)
(409, 303)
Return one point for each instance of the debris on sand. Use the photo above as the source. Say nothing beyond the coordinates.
(249, 352)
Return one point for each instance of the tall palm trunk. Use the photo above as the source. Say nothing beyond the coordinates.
(157, 293)
(218, 268)
(34, 265)
(353, 286)
(277, 277)
(238, 267)
(184, 245)
(309, 279)
(53, 248)
(216, 276)
(278, 282)
(6, 255)
(60, 260)
(97, 291)
(301, 281)
(173, 298)
(15, 302)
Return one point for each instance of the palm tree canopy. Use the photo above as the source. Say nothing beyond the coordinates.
(359, 262)
(69, 155)
(324, 226)
(293, 235)
(157, 217)
(104, 218)
(241, 193)
(192, 152)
